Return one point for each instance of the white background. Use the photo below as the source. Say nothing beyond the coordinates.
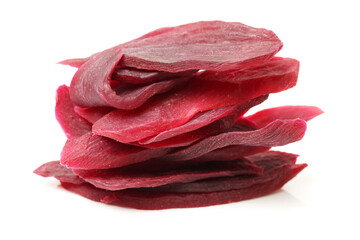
(321, 202)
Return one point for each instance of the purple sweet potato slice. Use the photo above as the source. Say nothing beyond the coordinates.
(264, 117)
(188, 138)
(72, 124)
(228, 46)
(95, 152)
(277, 133)
(91, 84)
(122, 178)
(141, 76)
(92, 114)
(74, 62)
(203, 119)
(152, 201)
(168, 111)
(273, 163)
(55, 169)
(277, 66)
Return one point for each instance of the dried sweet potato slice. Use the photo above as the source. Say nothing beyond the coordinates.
(264, 117)
(91, 85)
(228, 46)
(203, 119)
(122, 178)
(72, 124)
(56, 170)
(92, 114)
(95, 152)
(272, 163)
(141, 76)
(277, 133)
(152, 201)
(172, 110)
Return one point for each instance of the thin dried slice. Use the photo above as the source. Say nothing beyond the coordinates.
(91, 85)
(151, 201)
(95, 152)
(55, 169)
(122, 178)
(277, 133)
(72, 124)
(212, 45)
(93, 114)
(74, 62)
(203, 119)
(273, 163)
(188, 138)
(141, 76)
(264, 117)
(168, 111)
(277, 66)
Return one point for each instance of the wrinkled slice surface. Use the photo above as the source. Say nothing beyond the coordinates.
(212, 45)
(91, 84)
(264, 117)
(141, 76)
(204, 119)
(72, 124)
(95, 152)
(188, 138)
(152, 201)
(272, 163)
(277, 133)
(122, 178)
(168, 111)
(56, 170)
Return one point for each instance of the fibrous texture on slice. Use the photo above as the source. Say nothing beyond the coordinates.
(264, 117)
(277, 133)
(161, 121)
(205, 118)
(122, 178)
(141, 76)
(213, 45)
(278, 168)
(168, 111)
(72, 124)
(272, 164)
(95, 152)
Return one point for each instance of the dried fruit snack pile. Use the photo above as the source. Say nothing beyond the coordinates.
(160, 121)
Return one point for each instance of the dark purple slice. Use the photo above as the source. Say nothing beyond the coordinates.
(273, 163)
(155, 201)
(141, 76)
(123, 178)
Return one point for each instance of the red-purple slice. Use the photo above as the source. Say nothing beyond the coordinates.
(212, 45)
(122, 178)
(277, 133)
(72, 124)
(152, 201)
(264, 117)
(172, 110)
(95, 152)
